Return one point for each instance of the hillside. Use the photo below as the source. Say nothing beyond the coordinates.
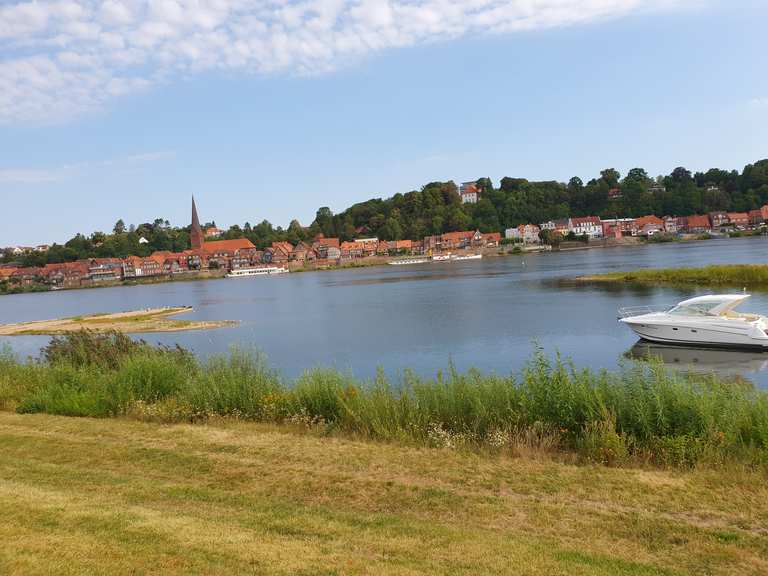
(96, 496)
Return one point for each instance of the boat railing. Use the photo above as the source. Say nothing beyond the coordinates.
(628, 311)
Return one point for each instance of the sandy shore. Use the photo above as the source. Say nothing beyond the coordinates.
(149, 320)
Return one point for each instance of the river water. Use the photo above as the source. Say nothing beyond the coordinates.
(488, 314)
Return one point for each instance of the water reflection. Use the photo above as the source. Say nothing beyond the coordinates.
(701, 360)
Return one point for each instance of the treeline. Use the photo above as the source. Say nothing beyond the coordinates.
(437, 208)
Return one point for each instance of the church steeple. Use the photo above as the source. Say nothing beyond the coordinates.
(196, 233)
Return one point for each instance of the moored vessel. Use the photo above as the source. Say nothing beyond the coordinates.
(708, 321)
(408, 261)
(259, 271)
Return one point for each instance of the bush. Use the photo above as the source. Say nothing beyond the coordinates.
(104, 349)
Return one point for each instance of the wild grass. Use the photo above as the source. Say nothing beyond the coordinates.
(641, 412)
(736, 275)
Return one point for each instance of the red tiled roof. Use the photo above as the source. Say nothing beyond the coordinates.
(651, 219)
(456, 236)
(697, 221)
(586, 220)
(30, 271)
(228, 245)
(330, 242)
(285, 247)
(737, 216)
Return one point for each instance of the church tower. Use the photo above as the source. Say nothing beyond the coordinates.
(196, 233)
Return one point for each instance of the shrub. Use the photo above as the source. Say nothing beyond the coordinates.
(103, 349)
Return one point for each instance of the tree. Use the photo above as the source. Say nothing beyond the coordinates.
(548, 236)
(324, 221)
(119, 227)
(610, 176)
(638, 175)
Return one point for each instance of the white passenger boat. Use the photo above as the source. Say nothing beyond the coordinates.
(408, 261)
(702, 321)
(260, 271)
(469, 257)
(441, 257)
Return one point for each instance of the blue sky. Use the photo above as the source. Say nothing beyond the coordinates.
(106, 114)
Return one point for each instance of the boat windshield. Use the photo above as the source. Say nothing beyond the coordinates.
(698, 309)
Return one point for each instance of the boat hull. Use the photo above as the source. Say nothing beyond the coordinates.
(716, 336)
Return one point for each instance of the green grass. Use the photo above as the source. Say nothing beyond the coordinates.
(225, 467)
(97, 496)
(753, 276)
(640, 413)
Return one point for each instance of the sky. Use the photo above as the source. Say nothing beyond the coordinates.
(269, 109)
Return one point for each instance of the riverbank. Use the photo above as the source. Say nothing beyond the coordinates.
(753, 276)
(638, 414)
(132, 322)
(95, 496)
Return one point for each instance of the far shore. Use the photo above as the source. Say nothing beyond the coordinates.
(376, 261)
(136, 321)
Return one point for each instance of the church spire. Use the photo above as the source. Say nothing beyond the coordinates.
(196, 233)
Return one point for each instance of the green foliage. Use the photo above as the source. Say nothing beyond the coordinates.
(106, 350)
(642, 411)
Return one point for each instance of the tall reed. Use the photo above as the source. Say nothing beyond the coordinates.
(640, 411)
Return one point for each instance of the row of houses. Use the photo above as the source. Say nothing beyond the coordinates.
(233, 255)
(594, 227)
(333, 250)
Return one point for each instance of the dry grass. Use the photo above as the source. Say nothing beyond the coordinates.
(83, 496)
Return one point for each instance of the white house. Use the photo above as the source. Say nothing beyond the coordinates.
(530, 233)
(526, 233)
(513, 233)
(591, 226)
(469, 192)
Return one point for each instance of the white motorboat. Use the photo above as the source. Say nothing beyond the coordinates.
(260, 271)
(702, 321)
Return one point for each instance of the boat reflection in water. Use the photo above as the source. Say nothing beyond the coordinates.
(702, 360)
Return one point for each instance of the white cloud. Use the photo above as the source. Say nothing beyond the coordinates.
(759, 102)
(62, 58)
(68, 171)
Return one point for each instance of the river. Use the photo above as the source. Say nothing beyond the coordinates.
(488, 314)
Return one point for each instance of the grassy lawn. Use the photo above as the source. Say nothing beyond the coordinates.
(98, 496)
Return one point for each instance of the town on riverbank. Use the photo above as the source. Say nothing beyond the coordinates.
(211, 257)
